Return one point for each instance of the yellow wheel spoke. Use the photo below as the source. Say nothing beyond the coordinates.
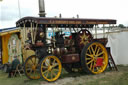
(45, 72)
(81, 42)
(99, 54)
(89, 55)
(96, 49)
(44, 66)
(51, 75)
(32, 61)
(91, 66)
(93, 50)
(102, 57)
(88, 58)
(35, 61)
(55, 69)
(55, 65)
(34, 73)
(90, 61)
(89, 50)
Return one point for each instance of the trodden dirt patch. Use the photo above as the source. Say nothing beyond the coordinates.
(83, 79)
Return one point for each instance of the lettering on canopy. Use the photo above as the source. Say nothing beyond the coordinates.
(96, 22)
(64, 22)
(76, 22)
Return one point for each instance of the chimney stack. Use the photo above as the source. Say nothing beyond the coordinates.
(42, 8)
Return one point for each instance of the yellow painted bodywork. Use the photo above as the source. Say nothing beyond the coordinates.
(27, 53)
(5, 38)
(5, 56)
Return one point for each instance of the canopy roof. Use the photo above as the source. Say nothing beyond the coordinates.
(10, 30)
(62, 22)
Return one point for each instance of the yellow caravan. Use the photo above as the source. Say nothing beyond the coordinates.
(10, 46)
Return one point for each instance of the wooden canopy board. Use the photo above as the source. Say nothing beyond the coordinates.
(63, 22)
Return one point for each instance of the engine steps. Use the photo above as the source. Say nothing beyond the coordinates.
(111, 62)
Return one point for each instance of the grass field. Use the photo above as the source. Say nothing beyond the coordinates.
(107, 78)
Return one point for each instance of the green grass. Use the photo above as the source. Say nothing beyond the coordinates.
(107, 78)
(23, 80)
(114, 78)
(4, 80)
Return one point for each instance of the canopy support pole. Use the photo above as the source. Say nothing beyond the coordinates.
(103, 31)
(95, 31)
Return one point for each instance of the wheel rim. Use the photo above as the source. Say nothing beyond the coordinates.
(32, 67)
(84, 37)
(96, 58)
(51, 68)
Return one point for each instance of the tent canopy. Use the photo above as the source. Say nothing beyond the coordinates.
(63, 22)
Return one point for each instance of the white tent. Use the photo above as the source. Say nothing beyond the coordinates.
(118, 41)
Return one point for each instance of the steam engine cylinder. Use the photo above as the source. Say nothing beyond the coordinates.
(59, 51)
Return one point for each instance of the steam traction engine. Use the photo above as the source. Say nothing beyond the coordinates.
(78, 50)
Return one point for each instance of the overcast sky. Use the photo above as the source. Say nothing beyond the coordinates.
(104, 9)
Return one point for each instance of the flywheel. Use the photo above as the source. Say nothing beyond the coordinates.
(84, 37)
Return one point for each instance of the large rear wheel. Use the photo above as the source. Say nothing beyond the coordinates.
(31, 67)
(50, 68)
(94, 58)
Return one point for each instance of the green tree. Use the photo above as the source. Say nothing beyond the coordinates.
(121, 26)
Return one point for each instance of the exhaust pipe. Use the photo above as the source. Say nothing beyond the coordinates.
(42, 8)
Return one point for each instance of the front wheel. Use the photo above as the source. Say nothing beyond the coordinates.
(50, 68)
(31, 67)
(94, 58)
